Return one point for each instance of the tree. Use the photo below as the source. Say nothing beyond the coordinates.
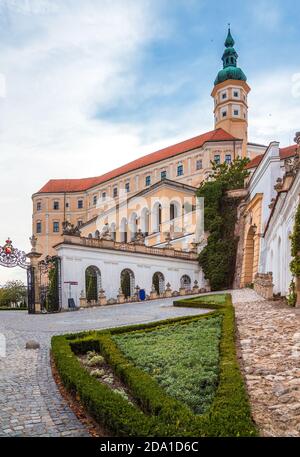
(218, 257)
(13, 292)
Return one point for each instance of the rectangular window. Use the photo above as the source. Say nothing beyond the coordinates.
(217, 158)
(228, 158)
(79, 223)
(199, 164)
(67, 205)
(236, 112)
(55, 205)
(180, 170)
(235, 94)
(127, 187)
(163, 174)
(115, 192)
(38, 206)
(224, 96)
(103, 196)
(55, 227)
(224, 113)
(148, 180)
(39, 227)
(95, 200)
(80, 204)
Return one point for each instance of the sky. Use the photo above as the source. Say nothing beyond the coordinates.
(88, 85)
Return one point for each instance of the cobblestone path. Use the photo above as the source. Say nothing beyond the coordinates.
(30, 403)
(269, 334)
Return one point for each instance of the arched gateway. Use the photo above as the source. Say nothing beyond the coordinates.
(43, 277)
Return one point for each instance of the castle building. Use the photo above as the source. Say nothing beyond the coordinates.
(154, 194)
(140, 226)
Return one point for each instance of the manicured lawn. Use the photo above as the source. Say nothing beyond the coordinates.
(184, 359)
(170, 370)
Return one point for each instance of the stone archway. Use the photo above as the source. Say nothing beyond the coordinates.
(127, 282)
(92, 283)
(249, 257)
(158, 281)
(185, 282)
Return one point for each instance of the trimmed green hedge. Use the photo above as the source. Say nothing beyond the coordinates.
(156, 413)
(8, 308)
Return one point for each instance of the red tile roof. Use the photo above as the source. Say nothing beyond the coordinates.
(77, 185)
(284, 153)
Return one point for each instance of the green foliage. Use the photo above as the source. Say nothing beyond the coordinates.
(157, 413)
(232, 175)
(52, 299)
(292, 296)
(295, 245)
(91, 284)
(182, 358)
(13, 292)
(218, 257)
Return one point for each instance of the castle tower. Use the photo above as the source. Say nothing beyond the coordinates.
(230, 96)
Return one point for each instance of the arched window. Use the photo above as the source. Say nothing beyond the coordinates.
(92, 283)
(90, 235)
(127, 282)
(175, 210)
(123, 230)
(97, 234)
(113, 231)
(156, 213)
(133, 225)
(158, 281)
(145, 221)
(185, 282)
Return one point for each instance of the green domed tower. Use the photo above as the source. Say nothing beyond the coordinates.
(230, 94)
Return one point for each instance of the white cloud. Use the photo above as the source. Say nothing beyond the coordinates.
(274, 110)
(266, 13)
(63, 61)
(82, 56)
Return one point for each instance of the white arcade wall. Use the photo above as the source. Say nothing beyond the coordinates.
(76, 259)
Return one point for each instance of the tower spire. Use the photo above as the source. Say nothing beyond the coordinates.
(229, 42)
(230, 69)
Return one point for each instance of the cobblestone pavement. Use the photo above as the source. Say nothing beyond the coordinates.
(269, 335)
(30, 402)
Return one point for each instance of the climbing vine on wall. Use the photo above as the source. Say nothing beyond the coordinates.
(218, 258)
(295, 263)
(295, 245)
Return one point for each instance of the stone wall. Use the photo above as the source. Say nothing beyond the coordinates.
(263, 285)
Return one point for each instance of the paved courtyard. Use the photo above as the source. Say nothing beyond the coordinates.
(30, 402)
(269, 348)
(269, 334)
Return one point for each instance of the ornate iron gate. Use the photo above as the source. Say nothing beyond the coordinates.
(49, 277)
(31, 289)
(11, 257)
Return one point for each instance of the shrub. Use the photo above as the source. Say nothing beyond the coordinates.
(218, 257)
